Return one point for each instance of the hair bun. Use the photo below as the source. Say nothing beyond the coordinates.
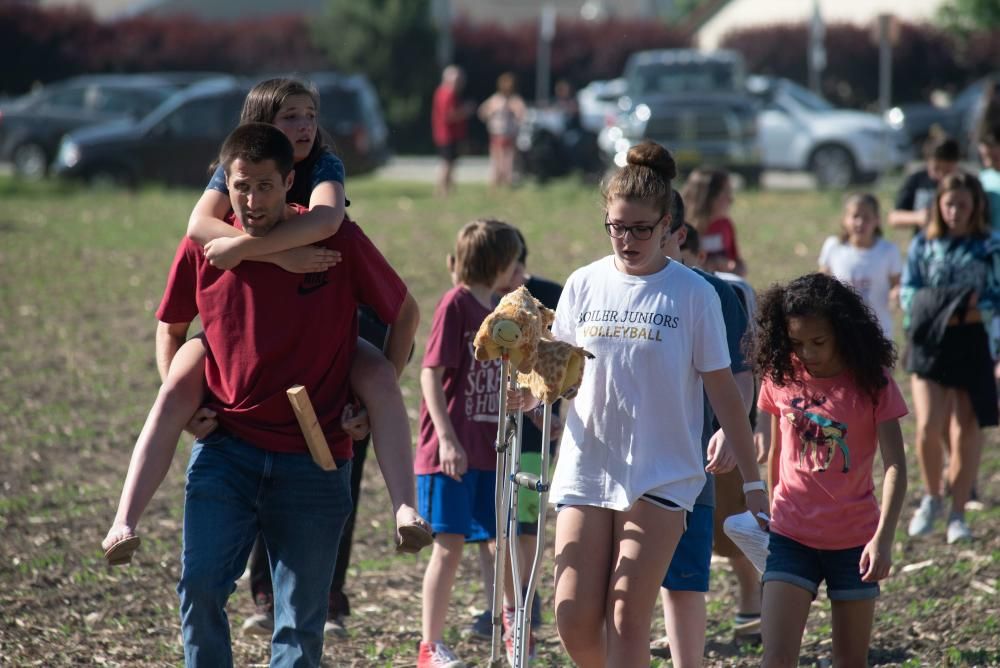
(650, 154)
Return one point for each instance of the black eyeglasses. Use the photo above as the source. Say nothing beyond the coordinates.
(638, 232)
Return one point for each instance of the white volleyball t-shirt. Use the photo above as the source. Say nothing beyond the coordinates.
(635, 425)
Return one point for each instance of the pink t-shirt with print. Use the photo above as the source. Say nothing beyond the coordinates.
(824, 496)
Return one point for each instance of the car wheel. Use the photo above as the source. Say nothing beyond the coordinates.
(30, 161)
(832, 166)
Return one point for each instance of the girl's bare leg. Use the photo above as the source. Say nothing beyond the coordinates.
(966, 447)
(583, 561)
(373, 380)
(931, 408)
(645, 537)
(782, 621)
(852, 632)
(178, 399)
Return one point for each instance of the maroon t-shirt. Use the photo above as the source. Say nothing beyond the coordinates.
(470, 387)
(268, 329)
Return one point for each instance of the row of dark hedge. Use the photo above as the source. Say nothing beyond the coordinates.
(925, 58)
(40, 45)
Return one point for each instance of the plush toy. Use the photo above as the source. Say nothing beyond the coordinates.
(519, 325)
(557, 373)
(516, 325)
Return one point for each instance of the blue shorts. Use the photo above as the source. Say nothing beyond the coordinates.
(689, 569)
(803, 566)
(465, 507)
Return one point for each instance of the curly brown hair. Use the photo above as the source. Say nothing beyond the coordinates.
(861, 344)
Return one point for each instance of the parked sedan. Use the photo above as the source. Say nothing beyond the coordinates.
(800, 131)
(176, 142)
(31, 126)
(173, 144)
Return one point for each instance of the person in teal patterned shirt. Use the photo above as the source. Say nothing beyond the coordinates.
(951, 297)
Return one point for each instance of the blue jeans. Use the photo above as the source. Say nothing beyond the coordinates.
(790, 561)
(234, 490)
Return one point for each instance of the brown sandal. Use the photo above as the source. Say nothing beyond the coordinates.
(121, 552)
(414, 537)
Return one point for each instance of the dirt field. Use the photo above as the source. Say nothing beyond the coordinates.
(80, 275)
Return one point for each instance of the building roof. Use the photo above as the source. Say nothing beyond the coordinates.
(751, 13)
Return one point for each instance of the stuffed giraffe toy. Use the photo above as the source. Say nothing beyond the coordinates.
(514, 326)
(520, 325)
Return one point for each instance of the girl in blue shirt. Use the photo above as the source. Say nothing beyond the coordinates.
(952, 280)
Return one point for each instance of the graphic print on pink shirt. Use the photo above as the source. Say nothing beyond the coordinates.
(818, 432)
(824, 495)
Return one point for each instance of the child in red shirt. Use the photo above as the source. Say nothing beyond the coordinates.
(825, 365)
(708, 195)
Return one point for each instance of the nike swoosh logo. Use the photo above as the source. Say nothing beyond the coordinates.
(306, 289)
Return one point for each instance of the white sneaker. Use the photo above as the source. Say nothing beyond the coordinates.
(923, 519)
(259, 624)
(335, 627)
(958, 530)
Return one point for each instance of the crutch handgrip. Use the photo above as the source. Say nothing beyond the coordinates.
(530, 481)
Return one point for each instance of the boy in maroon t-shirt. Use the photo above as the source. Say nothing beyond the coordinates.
(266, 330)
(455, 461)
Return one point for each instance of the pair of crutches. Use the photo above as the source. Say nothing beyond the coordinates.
(509, 480)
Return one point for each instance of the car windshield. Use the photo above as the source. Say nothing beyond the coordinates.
(341, 105)
(806, 98)
(699, 77)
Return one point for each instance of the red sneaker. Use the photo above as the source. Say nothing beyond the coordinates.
(437, 655)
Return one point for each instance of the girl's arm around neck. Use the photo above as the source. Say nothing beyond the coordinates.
(206, 221)
(323, 220)
(877, 556)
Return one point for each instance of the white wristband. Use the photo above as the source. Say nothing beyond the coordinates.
(756, 484)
